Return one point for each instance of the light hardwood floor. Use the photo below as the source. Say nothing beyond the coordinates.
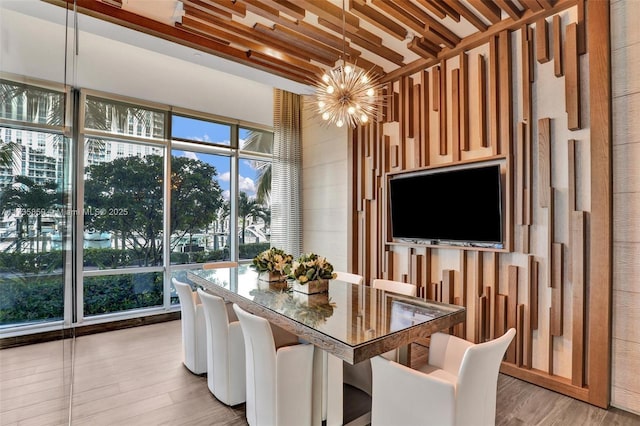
(135, 377)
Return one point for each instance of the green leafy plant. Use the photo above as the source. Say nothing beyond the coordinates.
(273, 260)
(311, 267)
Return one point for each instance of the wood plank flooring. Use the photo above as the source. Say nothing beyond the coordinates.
(135, 376)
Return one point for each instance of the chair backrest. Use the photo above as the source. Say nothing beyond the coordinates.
(260, 351)
(193, 329)
(349, 277)
(221, 264)
(394, 286)
(478, 381)
(185, 294)
(222, 365)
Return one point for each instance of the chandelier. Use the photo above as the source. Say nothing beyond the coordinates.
(347, 94)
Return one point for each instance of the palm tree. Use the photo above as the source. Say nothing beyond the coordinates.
(30, 199)
(9, 152)
(249, 208)
(259, 141)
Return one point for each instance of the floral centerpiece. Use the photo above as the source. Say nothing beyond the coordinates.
(272, 264)
(311, 273)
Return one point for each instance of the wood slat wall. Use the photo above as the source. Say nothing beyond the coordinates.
(543, 278)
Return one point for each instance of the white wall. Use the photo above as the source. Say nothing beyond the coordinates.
(34, 47)
(325, 188)
(625, 56)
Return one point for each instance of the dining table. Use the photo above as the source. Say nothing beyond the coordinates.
(349, 323)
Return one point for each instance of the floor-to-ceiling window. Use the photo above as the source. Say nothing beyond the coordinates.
(34, 205)
(156, 191)
(122, 224)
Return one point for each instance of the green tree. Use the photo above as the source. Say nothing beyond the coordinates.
(27, 198)
(249, 208)
(125, 196)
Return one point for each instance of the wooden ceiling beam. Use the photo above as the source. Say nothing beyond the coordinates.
(331, 13)
(477, 39)
(531, 4)
(190, 24)
(288, 34)
(116, 3)
(547, 4)
(235, 8)
(509, 7)
(399, 14)
(317, 34)
(369, 14)
(448, 11)
(382, 51)
(488, 9)
(206, 8)
(434, 8)
(287, 7)
(251, 34)
(323, 56)
(423, 48)
(467, 14)
(260, 8)
(205, 28)
(269, 64)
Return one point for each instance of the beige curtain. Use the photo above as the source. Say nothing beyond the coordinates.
(286, 192)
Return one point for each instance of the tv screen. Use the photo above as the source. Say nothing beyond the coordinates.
(457, 206)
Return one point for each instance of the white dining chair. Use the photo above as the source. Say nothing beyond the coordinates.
(194, 340)
(348, 277)
(359, 375)
(457, 387)
(225, 351)
(278, 379)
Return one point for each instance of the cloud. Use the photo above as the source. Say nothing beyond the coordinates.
(226, 195)
(247, 185)
(190, 155)
(225, 177)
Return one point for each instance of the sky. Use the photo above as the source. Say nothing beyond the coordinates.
(187, 128)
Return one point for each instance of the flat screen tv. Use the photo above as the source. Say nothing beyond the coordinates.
(460, 206)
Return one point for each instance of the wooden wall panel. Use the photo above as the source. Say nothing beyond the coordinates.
(578, 298)
(443, 108)
(482, 95)
(557, 46)
(512, 312)
(544, 161)
(572, 78)
(494, 111)
(463, 98)
(455, 115)
(543, 259)
(542, 41)
(506, 112)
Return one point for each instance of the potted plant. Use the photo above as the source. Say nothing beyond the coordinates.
(311, 273)
(272, 264)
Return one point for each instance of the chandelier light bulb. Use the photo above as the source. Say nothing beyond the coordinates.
(347, 95)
